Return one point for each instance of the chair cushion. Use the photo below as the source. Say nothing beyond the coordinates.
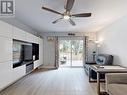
(117, 89)
(104, 59)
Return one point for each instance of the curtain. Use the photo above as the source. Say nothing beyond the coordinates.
(56, 52)
(85, 49)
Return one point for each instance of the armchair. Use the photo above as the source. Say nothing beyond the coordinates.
(116, 84)
(101, 59)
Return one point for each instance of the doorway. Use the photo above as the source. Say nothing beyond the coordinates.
(71, 52)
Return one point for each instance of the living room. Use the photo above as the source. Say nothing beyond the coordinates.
(64, 47)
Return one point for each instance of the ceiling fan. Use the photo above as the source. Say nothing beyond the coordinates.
(67, 14)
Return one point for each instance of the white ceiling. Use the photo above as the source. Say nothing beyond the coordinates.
(103, 12)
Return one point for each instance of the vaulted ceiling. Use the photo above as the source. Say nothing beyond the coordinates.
(103, 12)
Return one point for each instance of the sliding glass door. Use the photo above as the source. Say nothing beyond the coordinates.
(70, 53)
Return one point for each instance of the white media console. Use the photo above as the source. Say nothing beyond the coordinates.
(8, 74)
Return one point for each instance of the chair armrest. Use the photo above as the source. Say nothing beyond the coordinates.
(116, 78)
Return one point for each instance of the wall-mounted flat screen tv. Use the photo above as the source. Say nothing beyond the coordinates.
(22, 53)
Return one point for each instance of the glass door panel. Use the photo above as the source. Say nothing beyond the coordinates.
(65, 53)
(77, 53)
(70, 53)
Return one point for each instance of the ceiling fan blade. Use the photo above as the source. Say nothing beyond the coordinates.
(54, 22)
(69, 5)
(72, 22)
(48, 9)
(82, 15)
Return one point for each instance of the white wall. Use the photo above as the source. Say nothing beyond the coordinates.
(49, 53)
(19, 24)
(115, 41)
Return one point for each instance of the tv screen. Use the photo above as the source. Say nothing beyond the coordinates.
(27, 52)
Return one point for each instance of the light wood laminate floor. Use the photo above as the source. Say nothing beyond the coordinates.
(63, 81)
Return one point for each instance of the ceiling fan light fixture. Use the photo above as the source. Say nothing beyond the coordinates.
(66, 17)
